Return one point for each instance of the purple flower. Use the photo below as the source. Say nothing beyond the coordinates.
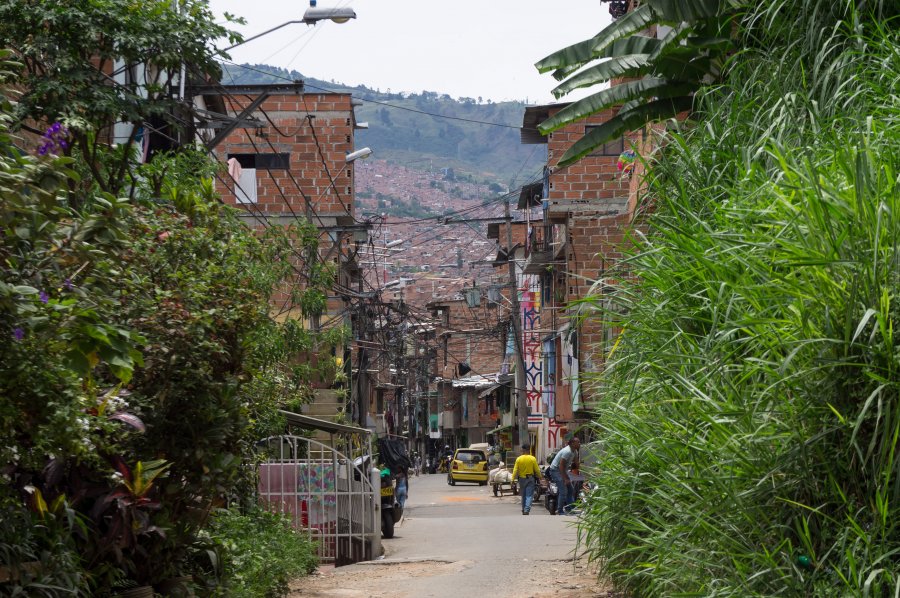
(55, 140)
(18, 334)
(68, 284)
(44, 297)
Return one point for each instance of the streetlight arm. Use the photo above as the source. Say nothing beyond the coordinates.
(250, 39)
(312, 16)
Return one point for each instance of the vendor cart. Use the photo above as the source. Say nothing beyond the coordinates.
(501, 488)
(500, 480)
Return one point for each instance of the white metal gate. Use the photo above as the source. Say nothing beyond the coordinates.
(325, 495)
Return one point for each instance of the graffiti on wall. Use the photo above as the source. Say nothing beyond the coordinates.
(540, 396)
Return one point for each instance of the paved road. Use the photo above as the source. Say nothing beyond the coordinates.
(461, 541)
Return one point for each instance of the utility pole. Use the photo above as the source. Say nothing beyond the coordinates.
(362, 364)
(521, 400)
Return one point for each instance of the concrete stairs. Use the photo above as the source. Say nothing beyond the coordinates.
(326, 405)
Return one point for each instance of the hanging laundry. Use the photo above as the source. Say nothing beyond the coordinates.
(234, 169)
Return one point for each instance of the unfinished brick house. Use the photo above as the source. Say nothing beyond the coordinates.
(578, 220)
(470, 395)
(287, 155)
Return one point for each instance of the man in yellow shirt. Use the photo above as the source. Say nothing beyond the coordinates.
(527, 473)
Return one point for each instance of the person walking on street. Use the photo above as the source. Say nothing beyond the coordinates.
(559, 473)
(402, 486)
(527, 473)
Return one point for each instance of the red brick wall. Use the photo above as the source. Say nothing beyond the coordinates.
(290, 131)
(586, 192)
(483, 354)
(594, 179)
(317, 148)
(481, 348)
(519, 234)
(595, 249)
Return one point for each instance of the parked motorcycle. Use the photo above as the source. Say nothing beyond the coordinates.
(391, 511)
(551, 492)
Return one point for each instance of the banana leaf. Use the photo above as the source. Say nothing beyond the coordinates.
(682, 66)
(632, 65)
(623, 122)
(576, 54)
(646, 88)
(678, 33)
(655, 11)
(635, 44)
(679, 11)
(585, 51)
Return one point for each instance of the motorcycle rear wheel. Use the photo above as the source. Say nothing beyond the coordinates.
(387, 525)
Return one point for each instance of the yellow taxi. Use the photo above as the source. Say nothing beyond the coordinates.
(469, 465)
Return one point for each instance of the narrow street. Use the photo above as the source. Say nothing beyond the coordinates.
(461, 541)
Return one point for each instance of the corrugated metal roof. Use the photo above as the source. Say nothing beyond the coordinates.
(531, 194)
(489, 390)
(534, 115)
(476, 381)
(473, 382)
(313, 423)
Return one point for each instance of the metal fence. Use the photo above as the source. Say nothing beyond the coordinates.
(325, 494)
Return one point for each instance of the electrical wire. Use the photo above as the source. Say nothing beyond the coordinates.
(287, 202)
(259, 216)
(263, 221)
(310, 207)
(386, 104)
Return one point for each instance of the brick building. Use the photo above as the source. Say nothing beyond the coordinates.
(287, 161)
(578, 220)
(469, 397)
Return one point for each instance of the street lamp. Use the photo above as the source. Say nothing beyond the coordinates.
(360, 153)
(312, 16)
(315, 14)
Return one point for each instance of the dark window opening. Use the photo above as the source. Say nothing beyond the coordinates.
(263, 161)
(613, 147)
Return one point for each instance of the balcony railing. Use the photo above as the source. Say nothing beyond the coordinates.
(540, 251)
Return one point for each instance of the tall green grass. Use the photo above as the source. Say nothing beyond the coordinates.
(750, 411)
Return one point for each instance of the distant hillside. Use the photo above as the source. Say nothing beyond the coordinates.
(401, 133)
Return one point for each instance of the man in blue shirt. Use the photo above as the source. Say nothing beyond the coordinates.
(559, 473)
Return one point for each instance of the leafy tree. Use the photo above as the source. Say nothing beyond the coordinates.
(139, 361)
(72, 53)
(128, 333)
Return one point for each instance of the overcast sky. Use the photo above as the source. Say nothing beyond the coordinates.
(464, 48)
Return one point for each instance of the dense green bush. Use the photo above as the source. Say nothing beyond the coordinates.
(37, 552)
(139, 363)
(751, 406)
(260, 552)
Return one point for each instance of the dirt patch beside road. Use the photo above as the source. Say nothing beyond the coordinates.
(379, 579)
